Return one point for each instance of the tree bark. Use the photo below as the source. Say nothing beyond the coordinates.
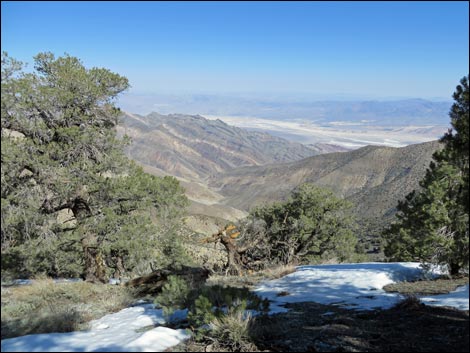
(95, 269)
(454, 269)
(234, 260)
(119, 270)
(95, 266)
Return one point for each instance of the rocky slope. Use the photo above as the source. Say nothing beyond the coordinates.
(373, 178)
(193, 147)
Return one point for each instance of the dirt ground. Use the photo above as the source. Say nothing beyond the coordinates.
(431, 287)
(311, 327)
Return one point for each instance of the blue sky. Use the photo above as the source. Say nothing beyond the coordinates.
(377, 49)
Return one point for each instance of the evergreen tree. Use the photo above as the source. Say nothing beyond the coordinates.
(72, 203)
(313, 225)
(432, 224)
(457, 147)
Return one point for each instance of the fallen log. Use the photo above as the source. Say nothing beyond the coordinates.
(154, 282)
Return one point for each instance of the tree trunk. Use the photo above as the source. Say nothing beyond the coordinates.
(119, 270)
(234, 262)
(290, 254)
(454, 269)
(94, 263)
(95, 267)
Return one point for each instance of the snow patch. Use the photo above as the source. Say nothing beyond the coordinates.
(352, 286)
(119, 332)
(457, 299)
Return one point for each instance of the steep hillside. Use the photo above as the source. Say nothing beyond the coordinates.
(205, 207)
(322, 148)
(193, 147)
(373, 178)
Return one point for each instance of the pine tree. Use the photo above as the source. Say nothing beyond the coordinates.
(432, 224)
(457, 147)
(312, 225)
(72, 203)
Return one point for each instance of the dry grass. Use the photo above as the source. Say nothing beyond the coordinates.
(409, 302)
(251, 279)
(279, 271)
(442, 285)
(46, 306)
(231, 332)
(246, 280)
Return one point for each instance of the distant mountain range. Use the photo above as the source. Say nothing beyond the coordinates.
(294, 108)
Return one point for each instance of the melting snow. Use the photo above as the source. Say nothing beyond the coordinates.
(458, 299)
(353, 286)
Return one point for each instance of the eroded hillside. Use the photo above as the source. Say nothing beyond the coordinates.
(227, 170)
(193, 147)
(373, 178)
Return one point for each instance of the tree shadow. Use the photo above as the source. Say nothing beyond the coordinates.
(96, 339)
(315, 327)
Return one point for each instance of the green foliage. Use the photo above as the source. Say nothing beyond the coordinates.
(231, 298)
(312, 226)
(60, 154)
(432, 224)
(174, 295)
(206, 303)
(457, 148)
(201, 314)
(173, 254)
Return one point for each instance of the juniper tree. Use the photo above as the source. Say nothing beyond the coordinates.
(72, 203)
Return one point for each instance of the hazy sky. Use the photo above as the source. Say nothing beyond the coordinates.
(382, 49)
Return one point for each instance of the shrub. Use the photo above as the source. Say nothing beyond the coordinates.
(174, 295)
(60, 319)
(409, 302)
(232, 331)
(203, 300)
(229, 297)
(201, 314)
(217, 314)
(313, 225)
